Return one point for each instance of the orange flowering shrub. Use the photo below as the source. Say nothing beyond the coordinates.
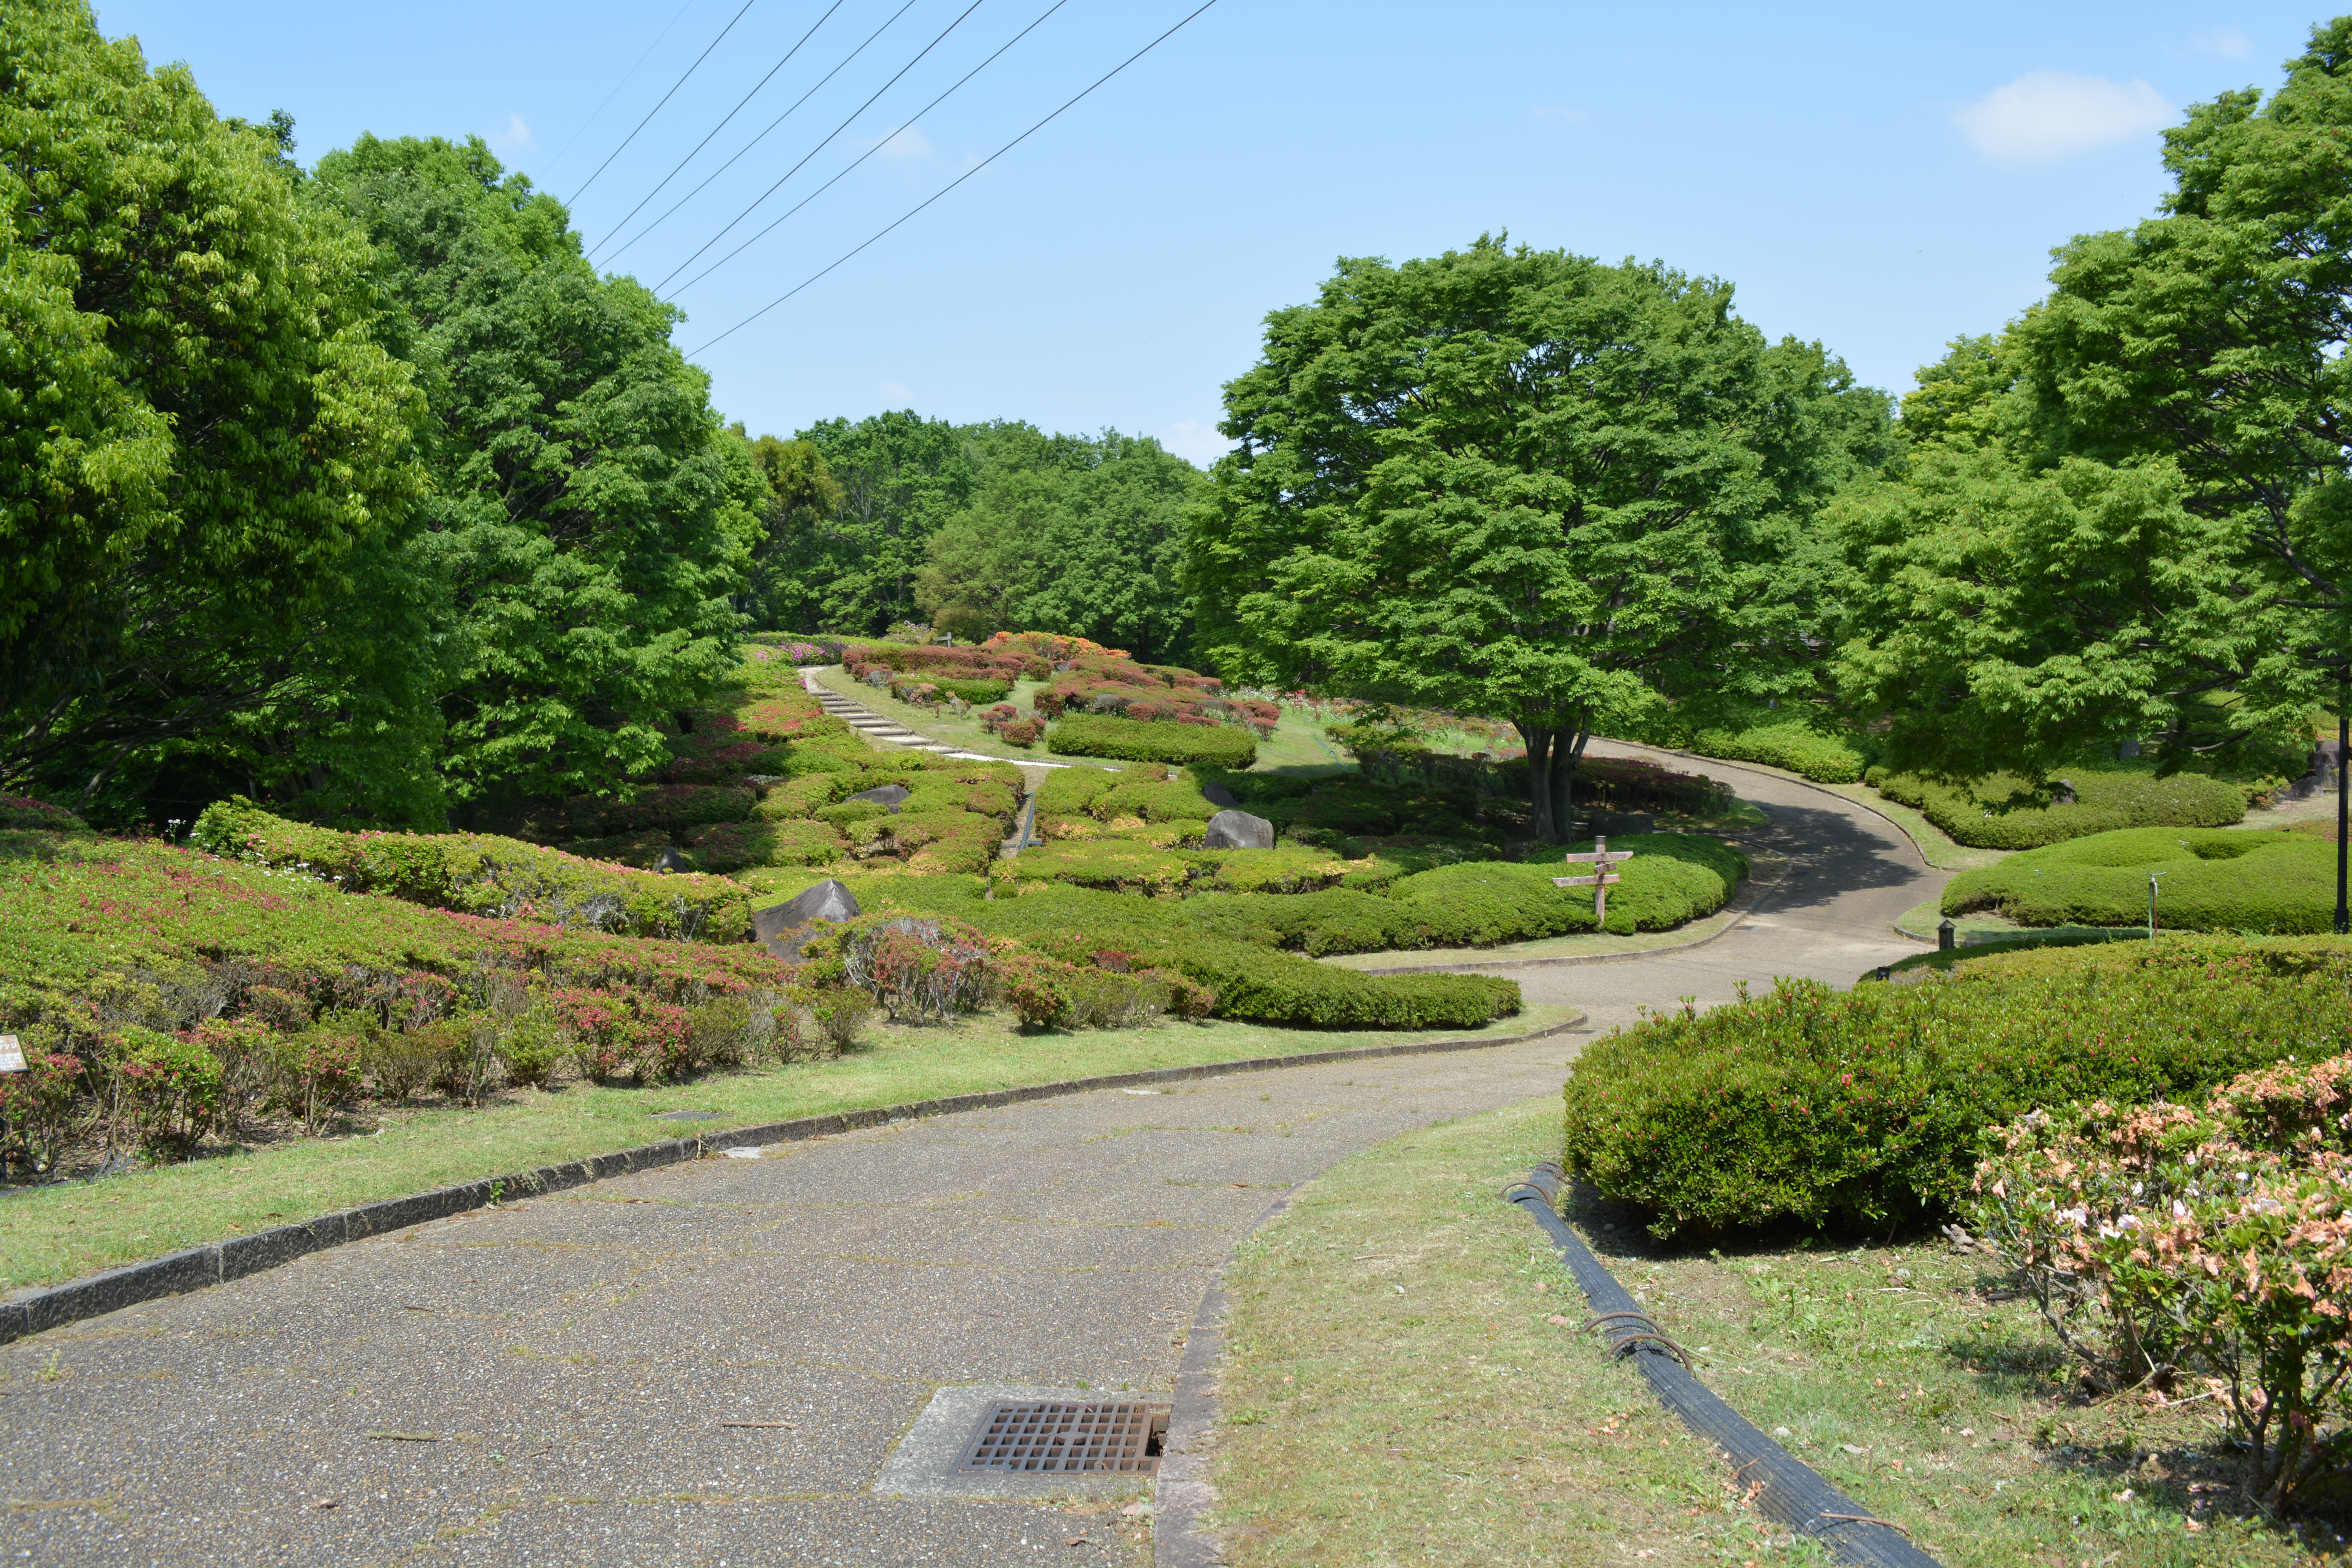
(2161, 1240)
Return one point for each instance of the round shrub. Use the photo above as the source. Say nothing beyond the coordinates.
(1868, 1107)
(2248, 880)
(2004, 811)
(1098, 735)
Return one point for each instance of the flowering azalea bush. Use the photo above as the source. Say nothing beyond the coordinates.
(24, 811)
(2161, 1240)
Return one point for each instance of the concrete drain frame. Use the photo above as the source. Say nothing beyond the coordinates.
(1047, 1443)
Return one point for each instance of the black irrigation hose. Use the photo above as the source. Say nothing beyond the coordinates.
(1785, 1491)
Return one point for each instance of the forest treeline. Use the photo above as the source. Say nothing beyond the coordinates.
(360, 490)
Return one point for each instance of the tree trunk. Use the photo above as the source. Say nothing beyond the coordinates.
(1552, 757)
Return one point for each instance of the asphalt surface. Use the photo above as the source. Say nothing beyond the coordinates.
(554, 1382)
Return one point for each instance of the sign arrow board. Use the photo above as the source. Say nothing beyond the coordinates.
(1602, 860)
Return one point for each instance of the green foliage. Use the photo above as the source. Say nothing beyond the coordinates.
(2248, 881)
(18, 811)
(481, 874)
(203, 497)
(2006, 811)
(1100, 735)
(1524, 484)
(1790, 743)
(589, 515)
(852, 570)
(2131, 517)
(166, 1087)
(1082, 538)
(1870, 1106)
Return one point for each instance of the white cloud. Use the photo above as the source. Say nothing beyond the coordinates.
(516, 134)
(1195, 442)
(2044, 116)
(1553, 111)
(907, 143)
(2229, 43)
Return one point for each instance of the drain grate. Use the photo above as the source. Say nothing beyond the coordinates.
(1039, 1435)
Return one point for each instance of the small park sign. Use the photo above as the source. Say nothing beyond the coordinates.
(12, 1055)
(1600, 858)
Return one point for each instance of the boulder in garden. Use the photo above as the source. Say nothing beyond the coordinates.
(889, 796)
(1238, 830)
(783, 928)
(669, 860)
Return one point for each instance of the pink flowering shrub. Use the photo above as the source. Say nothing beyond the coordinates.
(2161, 1241)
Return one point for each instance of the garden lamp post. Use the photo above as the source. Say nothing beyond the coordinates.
(2343, 804)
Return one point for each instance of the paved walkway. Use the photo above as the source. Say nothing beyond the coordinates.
(555, 1382)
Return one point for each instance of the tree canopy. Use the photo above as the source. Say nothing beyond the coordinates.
(207, 469)
(589, 515)
(2129, 516)
(1525, 484)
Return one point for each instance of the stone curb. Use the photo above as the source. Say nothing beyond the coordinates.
(177, 1273)
(1732, 913)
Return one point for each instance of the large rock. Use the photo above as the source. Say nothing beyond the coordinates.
(1238, 830)
(783, 928)
(669, 860)
(889, 796)
(1218, 796)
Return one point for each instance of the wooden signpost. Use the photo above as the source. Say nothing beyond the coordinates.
(1602, 860)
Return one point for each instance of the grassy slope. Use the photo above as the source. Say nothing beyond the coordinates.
(1895, 1374)
(52, 1234)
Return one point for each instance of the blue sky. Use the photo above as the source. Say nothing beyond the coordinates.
(1878, 177)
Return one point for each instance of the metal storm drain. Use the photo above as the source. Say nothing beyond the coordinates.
(1042, 1436)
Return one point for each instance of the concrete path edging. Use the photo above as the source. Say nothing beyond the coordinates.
(217, 1263)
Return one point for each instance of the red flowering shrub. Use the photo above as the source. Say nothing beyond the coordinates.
(2158, 1240)
(1022, 731)
(166, 1089)
(24, 811)
(923, 970)
(40, 1104)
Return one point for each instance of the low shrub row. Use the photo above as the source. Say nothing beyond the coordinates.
(1136, 739)
(1250, 981)
(1790, 743)
(1870, 1106)
(481, 874)
(2249, 880)
(2005, 811)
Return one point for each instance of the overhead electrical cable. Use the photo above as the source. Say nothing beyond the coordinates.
(886, 140)
(627, 76)
(820, 146)
(732, 114)
(656, 108)
(762, 136)
(950, 185)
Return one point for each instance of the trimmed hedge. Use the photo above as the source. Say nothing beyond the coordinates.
(21, 811)
(2248, 880)
(478, 874)
(1145, 741)
(1791, 744)
(1252, 981)
(2004, 811)
(1860, 1108)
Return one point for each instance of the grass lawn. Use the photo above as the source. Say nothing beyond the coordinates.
(1462, 1419)
(1766, 869)
(53, 1234)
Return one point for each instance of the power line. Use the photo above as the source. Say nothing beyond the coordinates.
(819, 147)
(732, 114)
(762, 136)
(625, 77)
(861, 158)
(656, 108)
(959, 180)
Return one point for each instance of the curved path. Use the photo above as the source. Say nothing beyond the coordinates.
(714, 1363)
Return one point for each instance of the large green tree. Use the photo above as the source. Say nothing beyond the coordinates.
(2130, 516)
(591, 516)
(853, 570)
(1064, 534)
(204, 488)
(1525, 484)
